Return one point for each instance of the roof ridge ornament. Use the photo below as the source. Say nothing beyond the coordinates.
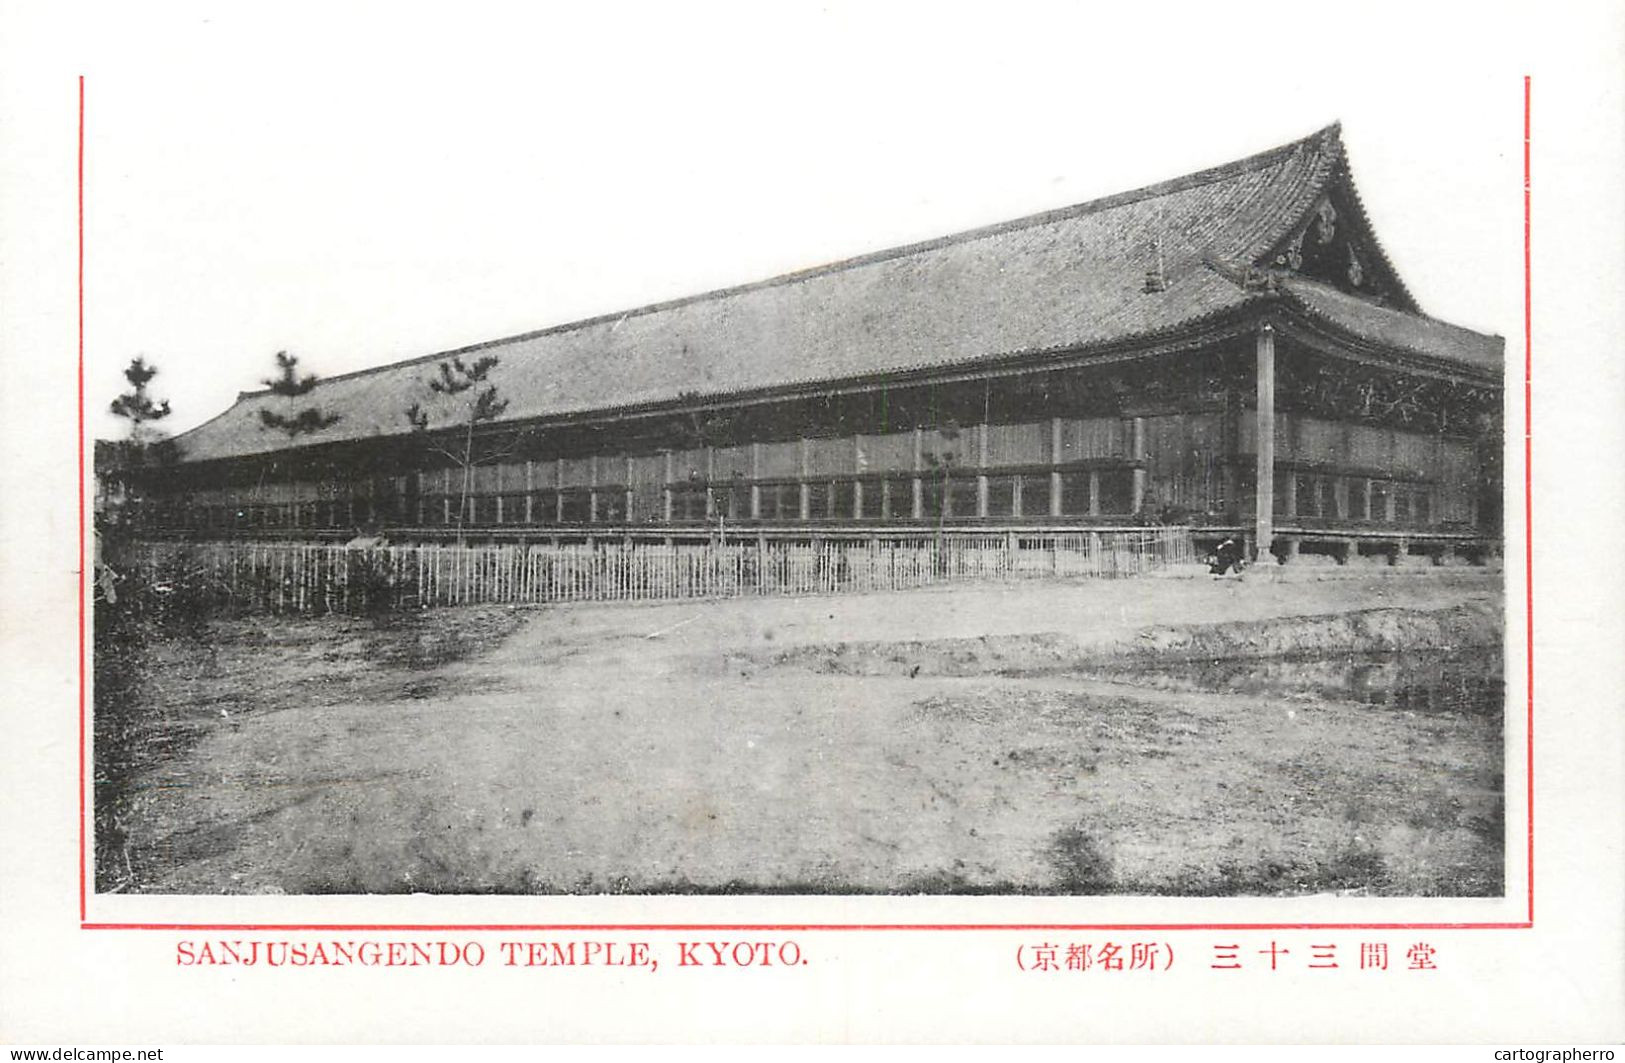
(1156, 279)
(1292, 257)
(1247, 277)
(1326, 219)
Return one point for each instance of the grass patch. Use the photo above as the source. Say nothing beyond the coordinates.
(158, 695)
(341, 755)
(1081, 864)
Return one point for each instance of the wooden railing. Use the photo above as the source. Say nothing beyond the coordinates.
(317, 578)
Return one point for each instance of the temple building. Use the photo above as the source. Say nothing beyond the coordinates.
(1229, 350)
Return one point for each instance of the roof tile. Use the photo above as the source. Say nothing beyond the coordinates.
(1066, 279)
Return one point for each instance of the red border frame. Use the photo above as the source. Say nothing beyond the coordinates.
(81, 443)
(1526, 924)
(1529, 491)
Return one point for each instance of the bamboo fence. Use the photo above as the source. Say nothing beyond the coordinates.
(314, 578)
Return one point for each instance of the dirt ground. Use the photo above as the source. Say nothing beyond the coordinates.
(967, 739)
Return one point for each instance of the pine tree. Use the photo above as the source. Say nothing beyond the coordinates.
(124, 465)
(289, 384)
(475, 401)
(137, 405)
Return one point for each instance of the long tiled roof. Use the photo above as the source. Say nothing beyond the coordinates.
(1068, 279)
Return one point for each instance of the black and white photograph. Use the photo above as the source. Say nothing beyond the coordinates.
(1150, 544)
(1019, 505)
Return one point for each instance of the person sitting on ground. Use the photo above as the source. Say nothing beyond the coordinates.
(1226, 555)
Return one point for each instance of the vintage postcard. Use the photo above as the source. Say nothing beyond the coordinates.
(697, 523)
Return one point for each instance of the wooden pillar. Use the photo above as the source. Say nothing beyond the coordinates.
(1094, 492)
(1264, 509)
(756, 475)
(626, 496)
(665, 489)
(858, 466)
(981, 477)
(1055, 473)
(1289, 505)
(530, 492)
(558, 490)
(592, 489)
(710, 476)
(918, 508)
(801, 481)
(1229, 474)
(1137, 452)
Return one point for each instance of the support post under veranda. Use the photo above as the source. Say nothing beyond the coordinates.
(1264, 445)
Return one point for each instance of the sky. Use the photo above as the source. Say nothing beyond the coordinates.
(357, 184)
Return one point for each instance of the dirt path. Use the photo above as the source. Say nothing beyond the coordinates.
(689, 746)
